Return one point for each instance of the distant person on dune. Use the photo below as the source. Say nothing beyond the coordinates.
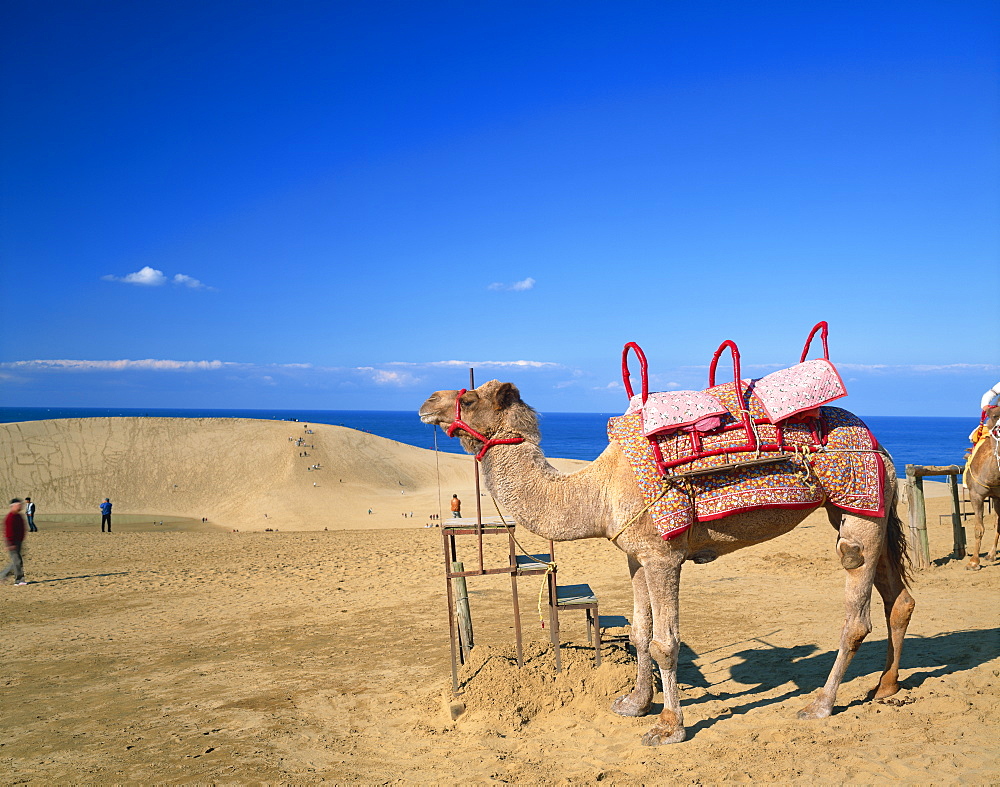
(13, 532)
(106, 514)
(29, 511)
(456, 507)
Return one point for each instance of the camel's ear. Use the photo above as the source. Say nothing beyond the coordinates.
(507, 395)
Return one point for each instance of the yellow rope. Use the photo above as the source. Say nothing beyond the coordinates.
(645, 508)
(550, 566)
(753, 428)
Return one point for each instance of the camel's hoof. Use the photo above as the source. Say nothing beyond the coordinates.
(814, 710)
(972, 567)
(626, 706)
(881, 692)
(660, 736)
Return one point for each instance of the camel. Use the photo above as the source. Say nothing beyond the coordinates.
(982, 479)
(602, 500)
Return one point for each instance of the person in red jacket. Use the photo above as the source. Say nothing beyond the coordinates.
(13, 532)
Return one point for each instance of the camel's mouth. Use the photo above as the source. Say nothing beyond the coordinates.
(428, 418)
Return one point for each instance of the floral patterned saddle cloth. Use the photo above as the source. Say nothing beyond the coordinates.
(748, 444)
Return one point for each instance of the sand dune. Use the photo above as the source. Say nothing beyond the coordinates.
(184, 653)
(232, 471)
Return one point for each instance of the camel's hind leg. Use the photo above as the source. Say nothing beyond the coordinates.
(977, 531)
(638, 701)
(899, 606)
(992, 556)
(860, 547)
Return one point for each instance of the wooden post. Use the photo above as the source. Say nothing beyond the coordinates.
(462, 611)
(918, 518)
(957, 530)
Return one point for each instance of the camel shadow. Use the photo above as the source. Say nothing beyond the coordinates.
(763, 670)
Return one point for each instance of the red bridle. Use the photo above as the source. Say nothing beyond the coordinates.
(487, 442)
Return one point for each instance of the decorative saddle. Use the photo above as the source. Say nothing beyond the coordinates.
(748, 444)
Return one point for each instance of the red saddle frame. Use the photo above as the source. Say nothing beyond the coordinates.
(746, 423)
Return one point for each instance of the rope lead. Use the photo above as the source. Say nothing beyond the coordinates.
(550, 566)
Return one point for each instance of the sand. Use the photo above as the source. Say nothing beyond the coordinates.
(186, 652)
(237, 473)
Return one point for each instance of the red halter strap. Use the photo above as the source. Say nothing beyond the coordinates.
(459, 424)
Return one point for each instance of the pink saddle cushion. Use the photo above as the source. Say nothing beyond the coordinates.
(677, 410)
(799, 388)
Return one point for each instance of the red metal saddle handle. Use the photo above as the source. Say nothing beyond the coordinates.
(736, 365)
(820, 326)
(626, 377)
(752, 440)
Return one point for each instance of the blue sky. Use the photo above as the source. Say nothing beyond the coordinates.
(344, 205)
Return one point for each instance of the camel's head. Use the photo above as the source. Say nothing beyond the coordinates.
(494, 410)
(991, 418)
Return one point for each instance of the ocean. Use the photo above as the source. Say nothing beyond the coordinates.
(910, 440)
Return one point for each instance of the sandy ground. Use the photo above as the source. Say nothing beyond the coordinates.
(185, 652)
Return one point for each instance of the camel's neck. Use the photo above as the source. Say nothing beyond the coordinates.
(553, 505)
(984, 464)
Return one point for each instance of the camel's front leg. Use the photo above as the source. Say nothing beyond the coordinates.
(663, 574)
(863, 540)
(638, 701)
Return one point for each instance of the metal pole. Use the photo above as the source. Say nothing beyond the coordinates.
(479, 504)
(518, 645)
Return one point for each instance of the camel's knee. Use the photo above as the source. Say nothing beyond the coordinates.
(902, 610)
(639, 639)
(665, 654)
(854, 634)
(851, 553)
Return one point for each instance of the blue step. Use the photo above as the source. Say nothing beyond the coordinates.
(569, 595)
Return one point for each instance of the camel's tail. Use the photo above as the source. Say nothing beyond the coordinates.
(897, 556)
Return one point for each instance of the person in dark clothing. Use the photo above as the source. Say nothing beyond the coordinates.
(29, 511)
(13, 533)
(106, 514)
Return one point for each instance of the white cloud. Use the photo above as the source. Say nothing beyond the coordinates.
(479, 364)
(151, 277)
(120, 365)
(877, 368)
(184, 280)
(920, 368)
(386, 377)
(145, 277)
(518, 286)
